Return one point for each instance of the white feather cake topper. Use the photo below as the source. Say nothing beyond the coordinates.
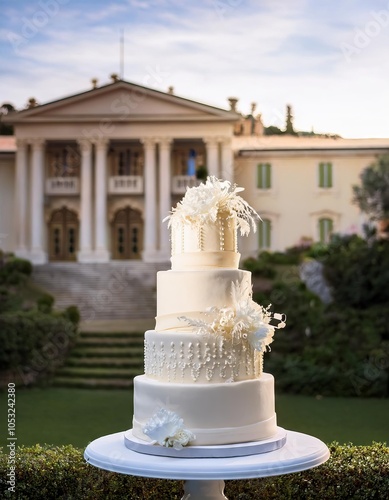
(244, 321)
(203, 203)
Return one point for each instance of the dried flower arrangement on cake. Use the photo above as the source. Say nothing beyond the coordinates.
(167, 429)
(245, 320)
(203, 203)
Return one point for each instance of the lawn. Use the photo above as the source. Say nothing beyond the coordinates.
(77, 416)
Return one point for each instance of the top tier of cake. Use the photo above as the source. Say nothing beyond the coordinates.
(212, 244)
(204, 226)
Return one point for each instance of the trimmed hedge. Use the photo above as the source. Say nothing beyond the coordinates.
(357, 472)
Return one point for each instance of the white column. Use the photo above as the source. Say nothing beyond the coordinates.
(85, 253)
(150, 187)
(101, 253)
(21, 198)
(212, 147)
(37, 254)
(164, 197)
(227, 155)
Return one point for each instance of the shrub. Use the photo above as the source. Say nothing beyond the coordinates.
(14, 270)
(358, 271)
(33, 344)
(72, 313)
(259, 268)
(8, 301)
(358, 472)
(45, 303)
(290, 257)
(329, 350)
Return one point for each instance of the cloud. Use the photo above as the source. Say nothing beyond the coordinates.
(210, 50)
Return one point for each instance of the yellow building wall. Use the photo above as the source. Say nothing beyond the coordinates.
(295, 203)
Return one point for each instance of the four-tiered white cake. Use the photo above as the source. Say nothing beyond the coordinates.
(203, 383)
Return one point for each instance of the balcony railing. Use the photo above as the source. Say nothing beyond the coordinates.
(181, 182)
(125, 184)
(62, 185)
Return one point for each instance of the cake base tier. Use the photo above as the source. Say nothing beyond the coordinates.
(217, 414)
(220, 451)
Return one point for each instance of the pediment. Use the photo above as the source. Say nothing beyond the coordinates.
(123, 101)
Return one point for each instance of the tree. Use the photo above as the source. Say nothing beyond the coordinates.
(4, 110)
(289, 121)
(272, 130)
(372, 196)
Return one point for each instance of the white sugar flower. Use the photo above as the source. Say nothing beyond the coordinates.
(167, 429)
(245, 320)
(202, 204)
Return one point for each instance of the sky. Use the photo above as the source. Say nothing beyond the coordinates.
(328, 59)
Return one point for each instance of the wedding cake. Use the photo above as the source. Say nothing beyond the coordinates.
(204, 383)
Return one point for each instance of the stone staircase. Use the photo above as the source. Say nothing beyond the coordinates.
(114, 290)
(103, 361)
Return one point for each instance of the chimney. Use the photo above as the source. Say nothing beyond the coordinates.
(233, 102)
(114, 77)
(170, 90)
(94, 83)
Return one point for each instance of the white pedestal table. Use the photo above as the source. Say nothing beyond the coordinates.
(204, 477)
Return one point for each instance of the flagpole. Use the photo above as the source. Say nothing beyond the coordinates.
(122, 54)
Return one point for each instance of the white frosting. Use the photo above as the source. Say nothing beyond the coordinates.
(204, 260)
(186, 357)
(190, 293)
(204, 369)
(215, 413)
(212, 244)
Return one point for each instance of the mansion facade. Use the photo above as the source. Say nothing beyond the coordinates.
(91, 177)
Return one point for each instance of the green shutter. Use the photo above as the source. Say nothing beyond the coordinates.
(268, 176)
(264, 234)
(321, 175)
(326, 227)
(329, 175)
(330, 228)
(325, 175)
(259, 176)
(321, 231)
(264, 176)
(268, 230)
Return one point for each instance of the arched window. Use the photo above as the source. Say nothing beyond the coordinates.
(264, 234)
(326, 227)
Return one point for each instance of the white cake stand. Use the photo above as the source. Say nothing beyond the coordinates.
(204, 477)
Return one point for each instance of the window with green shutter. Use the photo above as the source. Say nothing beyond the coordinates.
(326, 227)
(263, 176)
(325, 175)
(264, 232)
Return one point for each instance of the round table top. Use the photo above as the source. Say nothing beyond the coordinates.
(300, 452)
